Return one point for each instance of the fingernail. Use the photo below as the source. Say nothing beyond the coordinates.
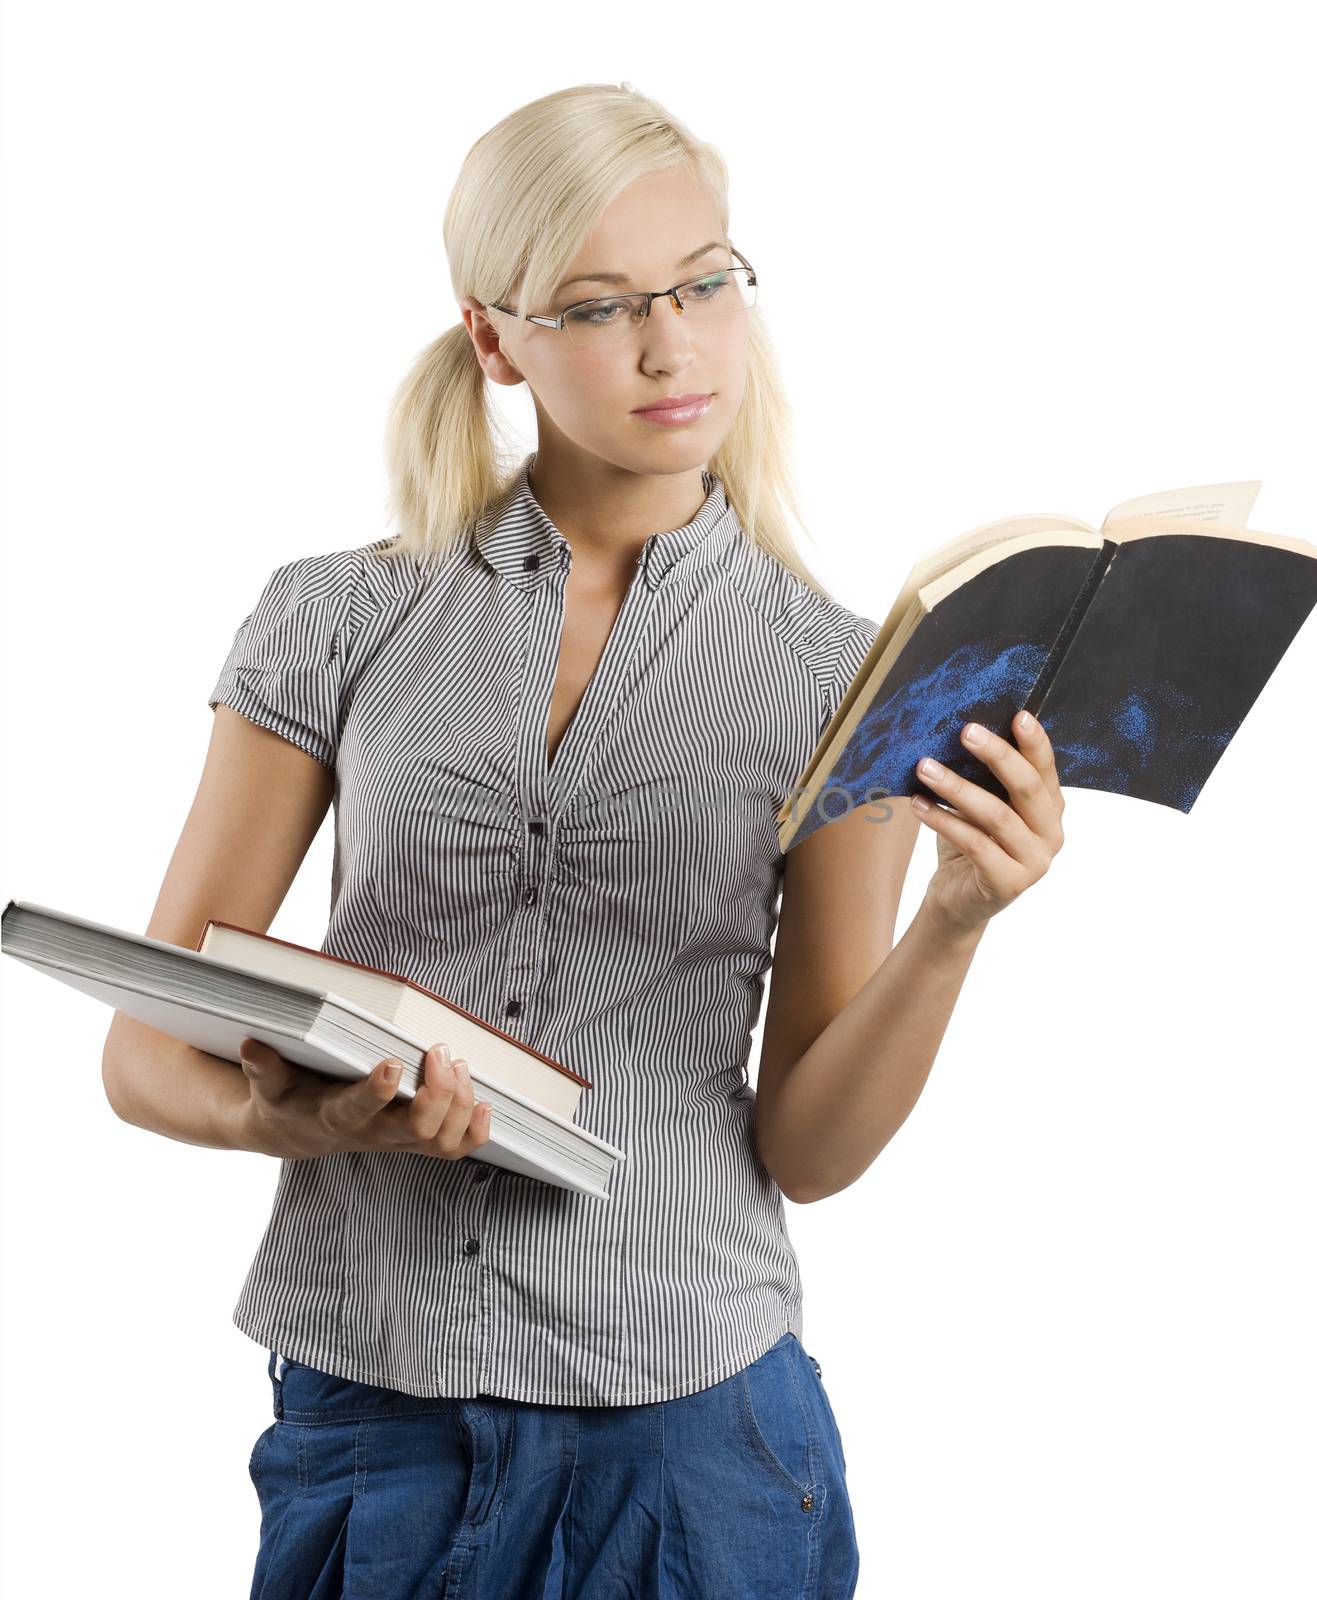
(1026, 721)
(973, 733)
(462, 1068)
(393, 1072)
(931, 768)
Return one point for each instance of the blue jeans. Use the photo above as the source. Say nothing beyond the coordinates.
(736, 1492)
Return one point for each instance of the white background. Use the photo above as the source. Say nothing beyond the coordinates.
(1015, 258)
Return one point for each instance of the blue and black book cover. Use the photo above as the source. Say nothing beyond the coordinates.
(1140, 659)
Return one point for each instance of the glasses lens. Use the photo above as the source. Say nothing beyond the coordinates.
(602, 321)
(717, 294)
(713, 296)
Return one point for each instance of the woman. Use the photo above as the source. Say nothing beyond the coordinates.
(557, 741)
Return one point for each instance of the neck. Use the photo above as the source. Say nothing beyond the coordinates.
(607, 518)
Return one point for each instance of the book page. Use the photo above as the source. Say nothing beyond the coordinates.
(956, 550)
(1210, 502)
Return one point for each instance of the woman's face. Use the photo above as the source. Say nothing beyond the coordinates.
(591, 394)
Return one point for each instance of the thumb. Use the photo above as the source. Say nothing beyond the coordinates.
(261, 1063)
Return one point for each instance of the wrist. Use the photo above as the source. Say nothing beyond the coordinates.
(951, 935)
(237, 1126)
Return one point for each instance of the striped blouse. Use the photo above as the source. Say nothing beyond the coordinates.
(613, 908)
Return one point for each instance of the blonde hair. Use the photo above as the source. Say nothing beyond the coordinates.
(525, 200)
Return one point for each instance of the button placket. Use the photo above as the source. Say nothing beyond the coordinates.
(521, 965)
(552, 785)
(525, 950)
(547, 789)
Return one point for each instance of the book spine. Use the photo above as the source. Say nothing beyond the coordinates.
(1070, 626)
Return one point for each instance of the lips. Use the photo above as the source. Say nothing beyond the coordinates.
(674, 402)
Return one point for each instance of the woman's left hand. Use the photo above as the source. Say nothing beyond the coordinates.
(991, 852)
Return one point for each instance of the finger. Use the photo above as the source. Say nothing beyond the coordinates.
(473, 1123)
(477, 1112)
(1030, 795)
(1033, 793)
(1035, 744)
(477, 1131)
(464, 1125)
(451, 1137)
(1004, 875)
(435, 1095)
(345, 1108)
(999, 821)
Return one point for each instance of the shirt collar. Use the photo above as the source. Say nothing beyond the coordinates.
(517, 539)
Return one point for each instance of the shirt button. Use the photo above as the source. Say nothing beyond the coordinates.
(531, 564)
(484, 1172)
(470, 1246)
(513, 1008)
(807, 1503)
(530, 896)
(536, 825)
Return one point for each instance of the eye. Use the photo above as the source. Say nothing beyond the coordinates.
(599, 313)
(706, 288)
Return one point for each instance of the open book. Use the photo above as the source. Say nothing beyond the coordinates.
(1139, 646)
(332, 1016)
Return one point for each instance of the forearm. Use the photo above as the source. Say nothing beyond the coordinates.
(168, 1087)
(853, 1088)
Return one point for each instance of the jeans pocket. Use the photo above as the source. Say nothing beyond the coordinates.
(257, 1455)
(313, 1398)
(776, 1421)
(828, 1411)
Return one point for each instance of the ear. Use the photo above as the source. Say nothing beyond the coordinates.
(487, 341)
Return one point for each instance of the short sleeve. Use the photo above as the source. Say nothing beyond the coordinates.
(852, 646)
(855, 647)
(285, 668)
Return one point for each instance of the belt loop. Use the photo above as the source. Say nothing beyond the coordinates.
(276, 1371)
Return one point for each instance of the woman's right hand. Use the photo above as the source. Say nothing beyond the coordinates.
(293, 1112)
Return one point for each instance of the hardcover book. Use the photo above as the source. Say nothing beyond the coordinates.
(332, 1016)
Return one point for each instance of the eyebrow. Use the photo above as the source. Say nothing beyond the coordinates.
(621, 277)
